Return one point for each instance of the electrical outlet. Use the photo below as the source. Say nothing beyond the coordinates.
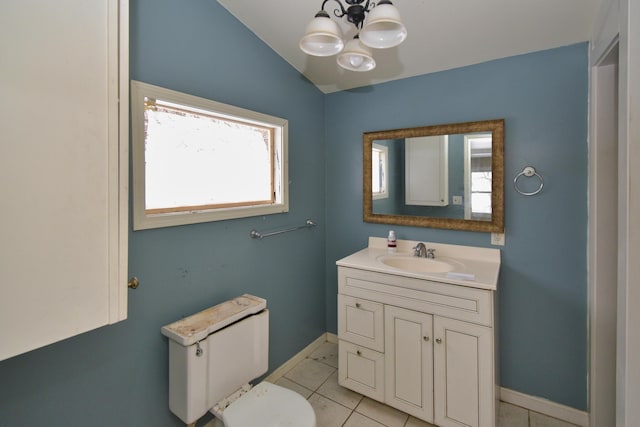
(497, 239)
(457, 200)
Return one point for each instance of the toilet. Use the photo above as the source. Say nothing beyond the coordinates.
(214, 354)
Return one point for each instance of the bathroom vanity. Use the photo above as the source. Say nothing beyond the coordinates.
(419, 334)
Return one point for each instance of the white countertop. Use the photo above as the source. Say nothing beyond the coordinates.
(483, 264)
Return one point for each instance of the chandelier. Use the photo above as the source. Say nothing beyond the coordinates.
(378, 26)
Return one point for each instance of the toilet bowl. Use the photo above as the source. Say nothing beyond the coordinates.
(268, 404)
(214, 354)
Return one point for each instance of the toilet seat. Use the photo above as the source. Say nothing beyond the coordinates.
(269, 405)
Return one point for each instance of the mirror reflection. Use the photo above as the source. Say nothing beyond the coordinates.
(448, 176)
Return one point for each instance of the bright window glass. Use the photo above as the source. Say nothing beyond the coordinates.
(196, 160)
(481, 192)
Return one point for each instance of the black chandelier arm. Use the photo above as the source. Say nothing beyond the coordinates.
(355, 12)
(336, 12)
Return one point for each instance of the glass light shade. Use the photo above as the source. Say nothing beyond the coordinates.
(383, 27)
(356, 57)
(323, 37)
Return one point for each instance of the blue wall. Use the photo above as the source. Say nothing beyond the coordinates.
(543, 282)
(117, 375)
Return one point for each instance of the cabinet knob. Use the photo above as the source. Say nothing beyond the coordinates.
(358, 353)
(357, 305)
(439, 341)
(425, 338)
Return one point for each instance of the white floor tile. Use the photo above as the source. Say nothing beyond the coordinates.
(382, 413)
(332, 390)
(414, 422)
(328, 412)
(512, 416)
(310, 374)
(540, 420)
(287, 383)
(359, 420)
(327, 353)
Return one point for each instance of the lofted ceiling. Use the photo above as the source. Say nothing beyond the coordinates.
(442, 34)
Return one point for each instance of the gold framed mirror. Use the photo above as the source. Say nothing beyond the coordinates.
(444, 176)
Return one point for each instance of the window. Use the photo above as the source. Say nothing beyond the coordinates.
(478, 187)
(380, 167)
(197, 160)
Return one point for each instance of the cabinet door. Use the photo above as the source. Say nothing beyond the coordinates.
(409, 361)
(361, 322)
(464, 374)
(427, 171)
(63, 169)
(361, 369)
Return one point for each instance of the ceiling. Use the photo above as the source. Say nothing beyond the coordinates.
(442, 34)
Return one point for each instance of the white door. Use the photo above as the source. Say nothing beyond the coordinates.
(464, 374)
(409, 361)
(63, 138)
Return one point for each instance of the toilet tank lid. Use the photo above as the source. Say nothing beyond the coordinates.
(198, 326)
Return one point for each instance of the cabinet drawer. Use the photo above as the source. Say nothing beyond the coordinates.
(361, 322)
(361, 369)
(455, 301)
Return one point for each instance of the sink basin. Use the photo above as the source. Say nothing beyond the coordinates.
(416, 265)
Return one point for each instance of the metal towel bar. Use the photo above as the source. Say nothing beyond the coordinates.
(256, 235)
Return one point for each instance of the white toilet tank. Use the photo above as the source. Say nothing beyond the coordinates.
(215, 352)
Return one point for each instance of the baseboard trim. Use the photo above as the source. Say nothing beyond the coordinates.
(546, 407)
(299, 357)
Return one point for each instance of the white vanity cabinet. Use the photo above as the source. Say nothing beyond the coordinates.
(421, 346)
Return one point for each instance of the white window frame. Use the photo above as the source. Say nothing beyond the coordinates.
(143, 220)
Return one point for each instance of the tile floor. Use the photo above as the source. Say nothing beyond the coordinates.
(316, 378)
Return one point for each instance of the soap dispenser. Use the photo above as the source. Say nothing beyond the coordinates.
(391, 242)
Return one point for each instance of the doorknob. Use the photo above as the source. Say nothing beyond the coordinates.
(133, 283)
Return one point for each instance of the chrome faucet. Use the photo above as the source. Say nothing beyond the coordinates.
(420, 250)
(431, 253)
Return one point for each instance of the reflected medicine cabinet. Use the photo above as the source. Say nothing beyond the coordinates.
(427, 171)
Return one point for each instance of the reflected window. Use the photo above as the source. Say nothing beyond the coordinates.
(479, 183)
(380, 169)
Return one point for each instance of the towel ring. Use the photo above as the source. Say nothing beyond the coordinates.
(528, 171)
